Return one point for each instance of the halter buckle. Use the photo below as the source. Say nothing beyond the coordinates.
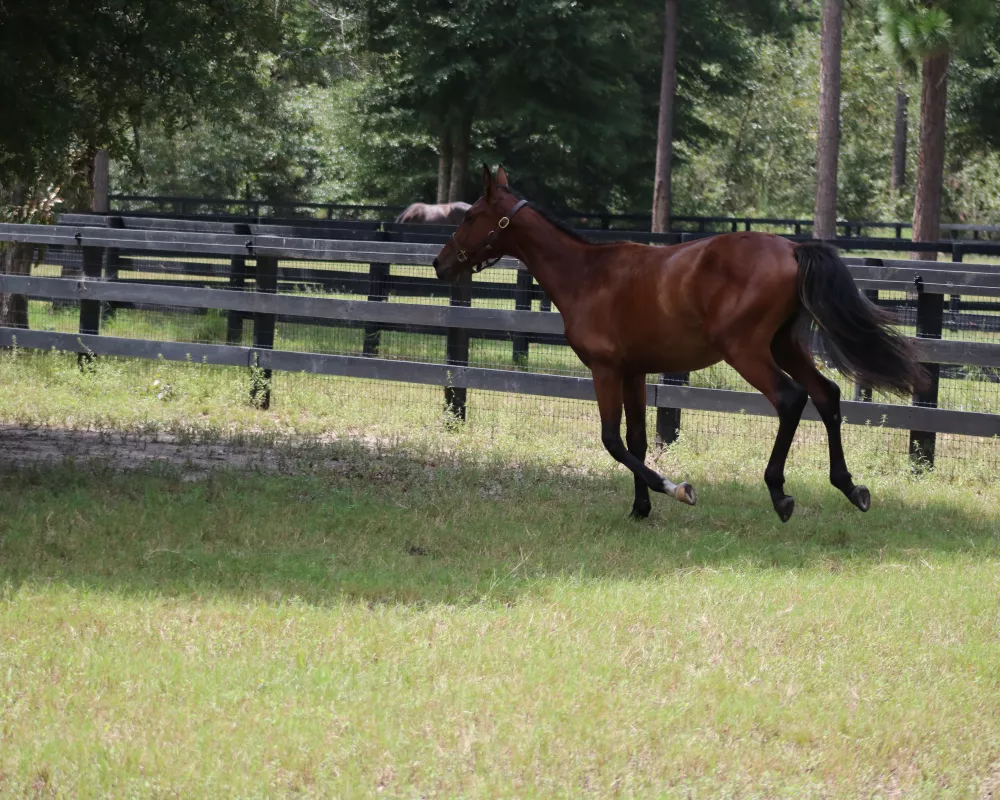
(503, 223)
(462, 256)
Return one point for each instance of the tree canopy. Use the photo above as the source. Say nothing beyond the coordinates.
(370, 100)
(76, 76)
(563, 93)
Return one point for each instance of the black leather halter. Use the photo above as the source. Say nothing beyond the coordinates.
(486, 243)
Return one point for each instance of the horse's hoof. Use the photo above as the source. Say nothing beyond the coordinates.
(785, 506)
(685, 493)
(640, 511)
(861, 497)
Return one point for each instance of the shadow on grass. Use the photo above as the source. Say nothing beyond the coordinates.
(400, 530)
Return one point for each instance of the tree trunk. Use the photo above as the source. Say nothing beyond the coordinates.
(96, 165)
(828, 146)
(444, 166)
(930, 164)
(100, 182)
(665, 125)
(15, 259)
(899, 139)
(460, 136)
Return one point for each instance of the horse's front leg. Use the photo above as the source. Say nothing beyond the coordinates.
(608, 385)
(634, 396)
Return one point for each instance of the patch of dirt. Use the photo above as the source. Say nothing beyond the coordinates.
(991, 785)
(22, 446)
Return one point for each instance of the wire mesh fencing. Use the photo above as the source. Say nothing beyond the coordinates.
(319, 406)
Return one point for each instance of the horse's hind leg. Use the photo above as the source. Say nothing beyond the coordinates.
(788, 399)
(825, 394)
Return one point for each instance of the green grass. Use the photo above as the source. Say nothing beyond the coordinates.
(399, 606)
(395, 626)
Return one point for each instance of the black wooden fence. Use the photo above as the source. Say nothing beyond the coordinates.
(257, 259)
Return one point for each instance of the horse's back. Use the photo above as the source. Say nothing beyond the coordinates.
(413, 213)
(434, 214)
(456, 212)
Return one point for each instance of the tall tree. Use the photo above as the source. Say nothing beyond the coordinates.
(665, 124)
(925, 32)
(900, 132)
(564, 93)
(828, 143)
(85, 74)
(77, 77)
(461, 133)
(444, 165)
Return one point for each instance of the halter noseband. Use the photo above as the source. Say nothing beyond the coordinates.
(486, 243)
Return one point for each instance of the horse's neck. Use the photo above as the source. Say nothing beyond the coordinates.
(563, 266)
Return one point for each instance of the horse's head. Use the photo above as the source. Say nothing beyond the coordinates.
(479, 239)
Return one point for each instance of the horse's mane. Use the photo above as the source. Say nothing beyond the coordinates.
(554, 220)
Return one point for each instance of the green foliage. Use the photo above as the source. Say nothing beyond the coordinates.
(975, 93)
(763, 160)
(346, 100)
(915, 29)
(565, 94)
(267, 149)
(84, 74)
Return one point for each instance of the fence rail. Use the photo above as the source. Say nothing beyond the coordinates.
(258, 298)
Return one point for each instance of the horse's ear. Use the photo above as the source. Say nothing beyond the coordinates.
(488, 183)
(502, 176)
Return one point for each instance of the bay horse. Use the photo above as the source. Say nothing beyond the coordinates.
(428, 214)
(748, 299)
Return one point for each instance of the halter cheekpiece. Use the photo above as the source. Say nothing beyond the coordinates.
(487, 241)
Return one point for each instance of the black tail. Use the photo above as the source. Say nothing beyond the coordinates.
(859, 335)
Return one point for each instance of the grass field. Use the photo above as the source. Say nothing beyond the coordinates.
(393, 626)
(395, 606)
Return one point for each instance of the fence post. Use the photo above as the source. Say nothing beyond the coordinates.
(237, 283)
(458, 347)
(99, 182)
(378, 291)
(668, 420)
(263, 328)
(112, 255)
(112, 263)
(930, 318)
(522, 302)
(545, 303)
(90, 310)
(955, 301)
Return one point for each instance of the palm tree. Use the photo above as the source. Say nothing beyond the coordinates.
(664, 130)
(925, 32)
(828, 145)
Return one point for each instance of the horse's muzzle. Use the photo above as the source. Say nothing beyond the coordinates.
(444, 273)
